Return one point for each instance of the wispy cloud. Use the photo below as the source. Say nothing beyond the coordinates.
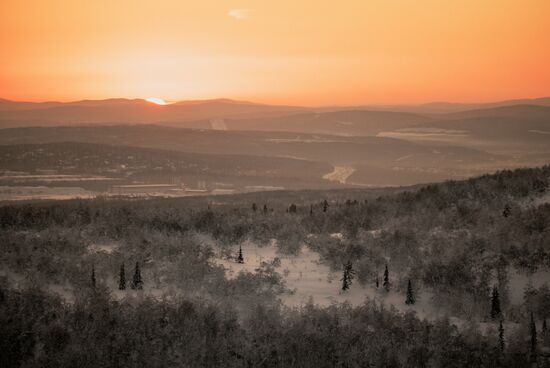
(240, 14)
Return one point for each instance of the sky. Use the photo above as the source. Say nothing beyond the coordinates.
(285, 52)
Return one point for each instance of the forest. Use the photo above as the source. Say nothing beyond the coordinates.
(136, 281)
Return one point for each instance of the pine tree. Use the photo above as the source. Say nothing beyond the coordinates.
(240, 258)
(254, 207)
(507, 211)
(501, 336)
(386, 279)
(377, 281)
(325, 205)
(93, 277)
(311, 210)
(137, 282)
(410, 296)
(292, 208)
(495, 304)
(265, 208)
(122, 278)
(533, 328)
(348, 275)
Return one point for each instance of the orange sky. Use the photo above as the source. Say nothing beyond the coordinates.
(285, 51)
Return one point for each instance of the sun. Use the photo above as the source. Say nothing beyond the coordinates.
(156, 100)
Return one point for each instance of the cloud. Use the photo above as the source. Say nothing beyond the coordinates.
(240, 14)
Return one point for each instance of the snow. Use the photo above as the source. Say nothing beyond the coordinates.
(311, 280)
(340, 174)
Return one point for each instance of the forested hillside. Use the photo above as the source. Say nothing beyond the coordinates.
(138, 283)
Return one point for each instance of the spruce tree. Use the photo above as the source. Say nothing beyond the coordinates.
(325, 205)
(254, 207)
(533, 328)
(501, 336)
(122, 278)
(93, 281)
(495, 304)
(137, 282)
(348, 275)
(311, 210)
(240, 258)
(507, 211)
(410, 295)
(386, 279)
(265, 208)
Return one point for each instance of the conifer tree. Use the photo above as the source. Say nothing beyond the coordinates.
(292, 208)
(311, 210)
(495, 304)
(348, 275)
(93, 281)
(325, 205)
(377, 281)
(240, 258)
(501, 336)
(533, 328)
(265, 208)
(254, 207)
(410, 295)
(386, 279)
(122, 278)
(137, 282)
(507, 211)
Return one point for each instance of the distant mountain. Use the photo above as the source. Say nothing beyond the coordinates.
(346, 123)
(513, 129)
(7, 105)
(13, 114)
(447, 107)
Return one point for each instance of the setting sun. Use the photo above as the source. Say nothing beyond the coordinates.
(156, 100)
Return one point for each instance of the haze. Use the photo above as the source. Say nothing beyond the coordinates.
(284, 52)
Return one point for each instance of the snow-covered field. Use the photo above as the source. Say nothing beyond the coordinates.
(310, 279)
(9, 193)
(340, 174)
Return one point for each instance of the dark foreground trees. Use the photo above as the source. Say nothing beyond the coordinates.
(38, 330)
